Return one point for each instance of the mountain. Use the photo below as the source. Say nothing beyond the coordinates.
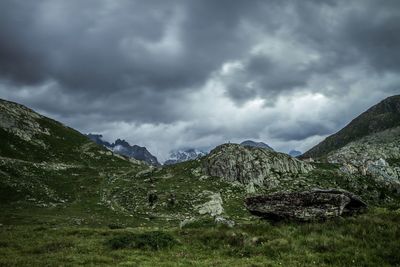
(178, 156)
(138, 152)
(256, 144)
(122, 147)
(45, 163)
(384, 115)
(294, 153)
(368, 146)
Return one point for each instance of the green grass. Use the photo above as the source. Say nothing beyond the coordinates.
(370, 239)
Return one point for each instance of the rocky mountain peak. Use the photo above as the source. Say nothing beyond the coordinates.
(256, 144)
(122, 147)
(177, 156)
(121, 142)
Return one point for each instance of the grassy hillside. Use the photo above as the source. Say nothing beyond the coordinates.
(46, 164)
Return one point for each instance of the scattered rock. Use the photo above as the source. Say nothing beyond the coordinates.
(186, 222)
(305, 206)
(224, 221)
(212, 207)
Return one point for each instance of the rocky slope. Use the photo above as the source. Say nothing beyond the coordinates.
(384, 115)
(376, 155)
(122, 147)
(256, 144)
(178, 156)
(252, 165)
(368, 146)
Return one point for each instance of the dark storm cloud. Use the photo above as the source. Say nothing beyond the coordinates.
(96, 62)
(300, 130)
(343, 34)
(104, 46)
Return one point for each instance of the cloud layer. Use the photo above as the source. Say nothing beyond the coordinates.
(171, 74)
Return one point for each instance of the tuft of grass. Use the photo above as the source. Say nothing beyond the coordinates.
(53, 247)
(156, 240)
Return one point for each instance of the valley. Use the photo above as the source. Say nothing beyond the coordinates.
(68, 201)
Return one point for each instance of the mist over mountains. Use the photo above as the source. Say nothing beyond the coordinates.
(122, 147)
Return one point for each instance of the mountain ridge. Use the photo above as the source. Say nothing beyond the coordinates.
(122, 147)
(382, 116)
(182, 155)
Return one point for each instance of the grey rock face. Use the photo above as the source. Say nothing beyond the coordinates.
(21, 121)
(305, 206)
(213, 207)
(252, 165)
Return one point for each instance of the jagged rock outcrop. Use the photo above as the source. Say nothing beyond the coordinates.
(252, 165)
(305, 206)
(123, 148)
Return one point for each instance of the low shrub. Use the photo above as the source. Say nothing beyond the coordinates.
(52, 247)
(114, 226)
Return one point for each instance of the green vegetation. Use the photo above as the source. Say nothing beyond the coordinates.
(155, 240)
(366, 240)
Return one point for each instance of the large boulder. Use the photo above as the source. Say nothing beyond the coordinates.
(252, 165)
(305, 206)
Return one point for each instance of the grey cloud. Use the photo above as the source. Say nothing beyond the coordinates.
(98, 62)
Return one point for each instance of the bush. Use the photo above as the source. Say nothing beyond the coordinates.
(147, 241)
(53, 247)
(114, 226)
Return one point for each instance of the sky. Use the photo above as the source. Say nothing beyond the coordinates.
(172, 74)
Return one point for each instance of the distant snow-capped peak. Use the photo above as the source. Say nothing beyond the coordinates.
(182, 155)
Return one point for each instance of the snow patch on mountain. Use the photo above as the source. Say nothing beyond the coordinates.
(182, 155)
